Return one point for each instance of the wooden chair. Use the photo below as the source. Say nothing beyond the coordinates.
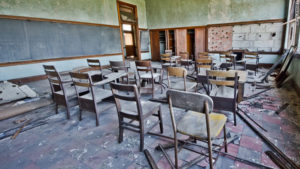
(130, 107)
(252, 56)
(202, 55)
(166, 60)
(223, 90)
(117, 66)
(145, 72)
(91, 100)
(169, 52)
(201, 66)
(183, 85)
(63, 93)
(97, 72)
(185, 59)
(198, 122)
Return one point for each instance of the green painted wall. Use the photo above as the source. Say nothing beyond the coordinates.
(93, 11)
(181, 13)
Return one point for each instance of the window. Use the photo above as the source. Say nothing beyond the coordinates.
(127, 27)
(128, 39)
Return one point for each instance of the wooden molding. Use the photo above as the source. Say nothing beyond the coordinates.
(225, 24)
(54, 59)
(54, 20)
(143, 29)
(247, 22)
(145, 51)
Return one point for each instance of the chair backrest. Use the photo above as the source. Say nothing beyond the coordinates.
(177, 72)
(165, 57)
(117, 65)
(82, 81)
(204, 63)
(143, 66)
(189, 100)
(95, 64)
(168, 52)
(202, 55)
(222, 78)
(53, 78)
(184, 55)
(128, 93)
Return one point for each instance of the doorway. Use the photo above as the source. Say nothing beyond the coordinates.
(129, 30)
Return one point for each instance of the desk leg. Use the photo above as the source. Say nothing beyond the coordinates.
(241, 92)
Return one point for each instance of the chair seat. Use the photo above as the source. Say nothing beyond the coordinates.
(100, 94)
(180, 85)
(148, 108)
(194, 124)
(148, 75)
(70, 91)
(223, 91)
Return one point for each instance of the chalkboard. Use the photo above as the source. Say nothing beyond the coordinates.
(145, 40)
(22, 40)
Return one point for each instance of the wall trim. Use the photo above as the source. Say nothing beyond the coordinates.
(225, 24)
(54, 20)
(54, 59)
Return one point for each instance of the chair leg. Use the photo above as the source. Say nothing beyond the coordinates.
(176, 152)
(141, 136)
(210, 154)
(153, 87)
(80, 114)
(56, 108)
(234, 116)
(68, 112)
(160, 120)
(97, 119)
(225, 139)
(121, 130)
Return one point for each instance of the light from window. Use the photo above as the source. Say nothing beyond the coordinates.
(128, 39)
(127, 27)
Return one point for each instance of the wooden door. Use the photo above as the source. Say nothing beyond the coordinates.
(155, 49)
(180, 41)
(200, 40)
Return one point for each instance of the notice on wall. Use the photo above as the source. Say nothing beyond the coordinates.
(220, 38)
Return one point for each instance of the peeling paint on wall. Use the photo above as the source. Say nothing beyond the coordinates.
(220, 38)
(258, 37)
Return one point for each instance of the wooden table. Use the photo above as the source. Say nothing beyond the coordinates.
(111, 77)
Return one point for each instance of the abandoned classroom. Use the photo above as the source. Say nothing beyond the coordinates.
(158, 84)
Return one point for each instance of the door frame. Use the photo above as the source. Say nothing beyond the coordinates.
(136, 30)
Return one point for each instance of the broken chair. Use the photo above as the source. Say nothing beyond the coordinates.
(199, 122)
(223, 90)
(130, 107)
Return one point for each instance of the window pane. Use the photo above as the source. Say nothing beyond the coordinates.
(128, 39)
(127, 27)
